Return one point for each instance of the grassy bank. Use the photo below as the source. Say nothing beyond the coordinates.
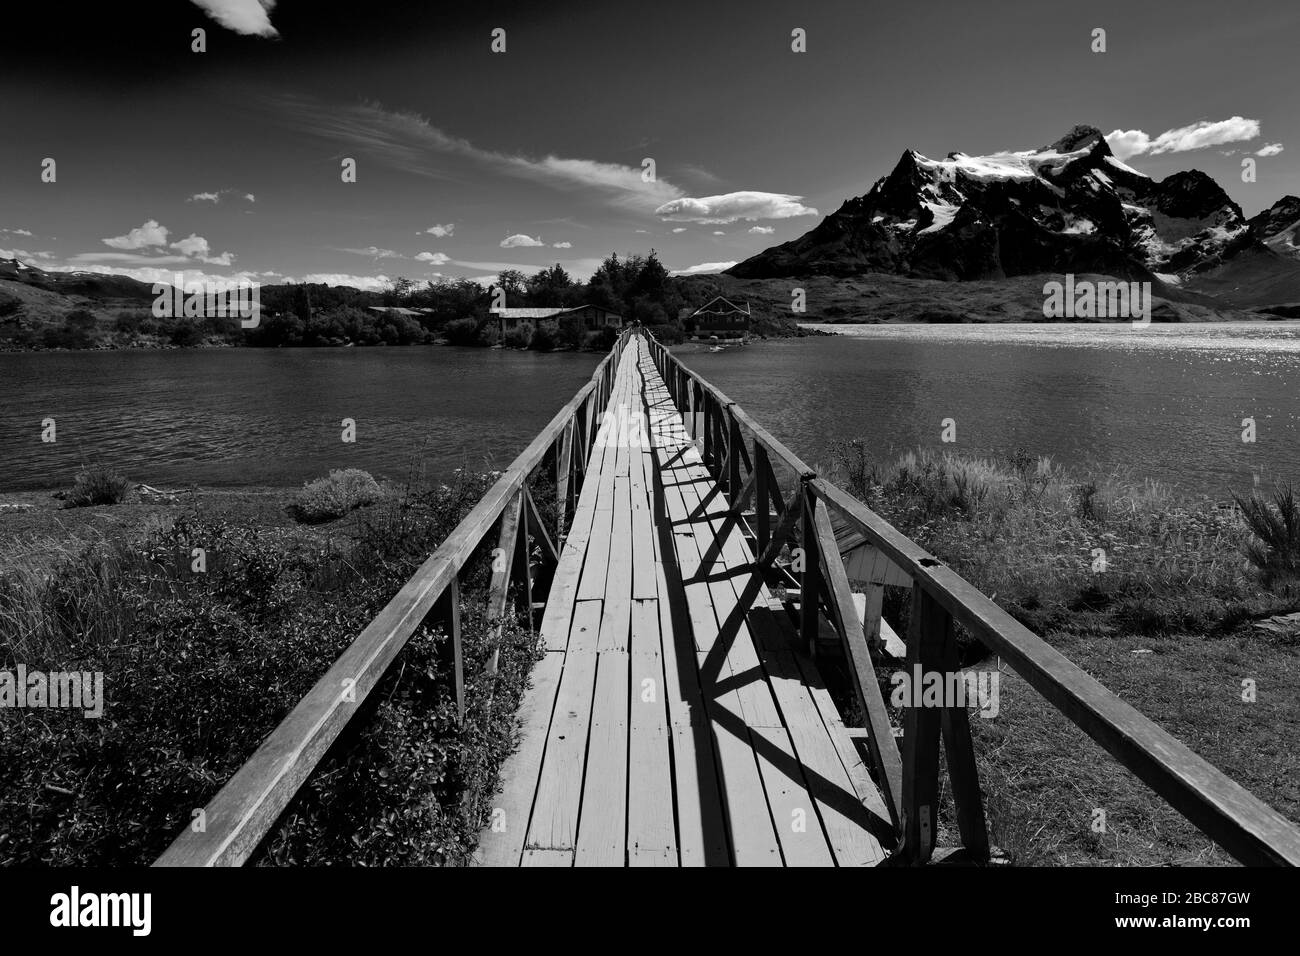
(1151, 593)
(200, 665)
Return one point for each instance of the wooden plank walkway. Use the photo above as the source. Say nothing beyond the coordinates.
(667, 725)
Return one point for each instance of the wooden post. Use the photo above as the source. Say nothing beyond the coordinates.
(762, 516)
(811, 585)
(502, 571)
(929, 633)
(563, 466)
(524, 557)
(734, 455)
(452, 619)
(708, 431)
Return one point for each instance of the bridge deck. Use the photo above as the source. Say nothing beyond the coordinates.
(666, 724)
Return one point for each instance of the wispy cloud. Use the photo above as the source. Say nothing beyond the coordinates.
(409, 142)
(215, 197)
(248, 17)
(1134, 142)
(561, 245)
(762, 230)
(374, 252)
(729, 207)
(1271, 149)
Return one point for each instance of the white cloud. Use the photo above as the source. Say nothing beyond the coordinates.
(1271, 149)
(519, 239)
(149, 234)
(442, 231)
(17, 232)
(24, 254)
(375, 252)
(679, 229)
(729, 207)
(703, 267)
(718, 232)
(434, 258)
(195, 247)
(762, 230)
(1134, 142)
(561, 245)
(645, 231)
(157, 273)
(205, 197)
(367, 283)
(248, 17)
(250, 197)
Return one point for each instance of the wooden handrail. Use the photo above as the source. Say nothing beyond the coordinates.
(233, 824)
(1240, 822)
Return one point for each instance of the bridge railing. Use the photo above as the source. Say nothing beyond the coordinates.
(241, 814)
(741, 455)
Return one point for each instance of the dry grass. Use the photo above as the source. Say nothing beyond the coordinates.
(1165, 625)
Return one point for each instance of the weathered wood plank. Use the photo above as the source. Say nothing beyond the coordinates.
(554, 823)
(502, 843)
(650, 826)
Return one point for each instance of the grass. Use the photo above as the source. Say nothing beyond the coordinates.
(1151, 593)
(199, 667)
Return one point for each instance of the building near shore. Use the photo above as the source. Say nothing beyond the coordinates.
(722, 318)
(591, 317)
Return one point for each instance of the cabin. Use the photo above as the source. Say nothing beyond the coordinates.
(722, 318)
(592, 317)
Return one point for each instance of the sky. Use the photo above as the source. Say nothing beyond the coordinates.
(229, 162)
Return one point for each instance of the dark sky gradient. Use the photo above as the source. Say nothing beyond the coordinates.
(711, 91)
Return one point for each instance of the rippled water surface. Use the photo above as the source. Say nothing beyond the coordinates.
(272, 416)
(1165, 402)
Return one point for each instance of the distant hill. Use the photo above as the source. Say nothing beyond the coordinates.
(884, 298)
(90, 285)
(1070, 206)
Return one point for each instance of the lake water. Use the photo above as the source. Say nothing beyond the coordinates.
(1165, 402)
(273, 416)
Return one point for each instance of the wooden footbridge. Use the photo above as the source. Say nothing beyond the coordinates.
(695, 593)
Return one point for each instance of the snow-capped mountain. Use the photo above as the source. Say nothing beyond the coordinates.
(1278, 227)
(1067, 207)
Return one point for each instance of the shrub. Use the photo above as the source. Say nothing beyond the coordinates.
(462, 331)
(603, 339)
(546, 336)
(326, 499)
(517, 338)
(80, 319)
(185, 334)
(67, 337)
(1275, 548)
(129, 322)
(96, 485)
(233, 650)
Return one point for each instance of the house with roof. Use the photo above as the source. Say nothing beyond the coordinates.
(722, 318)
(591, 317)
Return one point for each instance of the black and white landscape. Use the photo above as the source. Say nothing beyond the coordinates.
(618, 434)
